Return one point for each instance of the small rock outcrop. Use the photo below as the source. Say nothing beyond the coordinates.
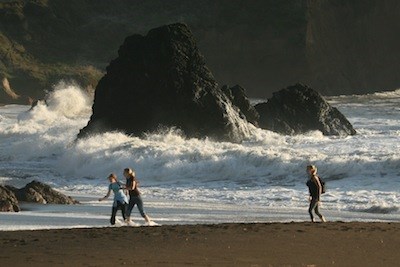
(299, 109)
(35, 191)
(161, 80)
(29, 195)
(238, 97)
(8, 200)
(42, 193)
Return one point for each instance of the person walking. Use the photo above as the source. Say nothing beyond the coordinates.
(315, 189)
(134, 195)
(120, 199)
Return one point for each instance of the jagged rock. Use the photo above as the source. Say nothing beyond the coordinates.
(8, 200)
(27, 194)
(238, 97)
(31, 195)
(299, 109)
(42, 193)
(161, 80)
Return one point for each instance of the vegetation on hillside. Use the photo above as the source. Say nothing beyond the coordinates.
(46, 40)
(30, 73)
(337, 47)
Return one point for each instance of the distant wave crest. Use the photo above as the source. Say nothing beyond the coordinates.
(379, 209)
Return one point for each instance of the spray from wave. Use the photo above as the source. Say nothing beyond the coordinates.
(267, 169)
(66, 101)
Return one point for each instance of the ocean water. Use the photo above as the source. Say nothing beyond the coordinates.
(199, 180)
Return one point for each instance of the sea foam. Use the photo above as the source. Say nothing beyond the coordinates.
(266, 170)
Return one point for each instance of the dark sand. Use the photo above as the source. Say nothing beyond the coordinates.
(272, 244)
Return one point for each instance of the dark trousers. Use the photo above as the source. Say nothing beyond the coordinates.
(135, 200)
(314, 206)
(120, 206)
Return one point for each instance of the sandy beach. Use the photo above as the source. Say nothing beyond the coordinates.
(271, 244)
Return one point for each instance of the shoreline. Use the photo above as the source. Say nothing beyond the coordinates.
(91, 214)
(227, 244)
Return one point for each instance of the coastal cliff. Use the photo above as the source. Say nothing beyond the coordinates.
(337, 47)
(351, 45)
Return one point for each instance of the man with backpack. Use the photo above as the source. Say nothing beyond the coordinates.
(316, 187)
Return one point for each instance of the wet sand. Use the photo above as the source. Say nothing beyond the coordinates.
(271, 244)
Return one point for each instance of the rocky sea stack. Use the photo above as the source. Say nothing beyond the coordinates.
(299, 109)
(161, 80)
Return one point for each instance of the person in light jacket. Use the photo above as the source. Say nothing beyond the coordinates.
(120, 199)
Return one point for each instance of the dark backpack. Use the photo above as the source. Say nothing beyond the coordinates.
(323, 190)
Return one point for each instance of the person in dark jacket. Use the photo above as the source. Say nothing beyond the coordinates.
(315, 189)
(134, 195)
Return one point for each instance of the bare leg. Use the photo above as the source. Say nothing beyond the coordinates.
(147, 219)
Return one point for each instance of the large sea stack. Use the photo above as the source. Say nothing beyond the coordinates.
(161, 80)
(299, 109)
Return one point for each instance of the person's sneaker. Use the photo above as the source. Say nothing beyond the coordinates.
(323, 219)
